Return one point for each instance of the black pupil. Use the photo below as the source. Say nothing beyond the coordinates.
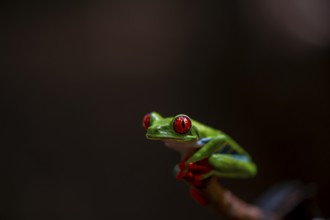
(183, 123)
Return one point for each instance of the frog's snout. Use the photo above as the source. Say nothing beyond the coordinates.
(156, 133)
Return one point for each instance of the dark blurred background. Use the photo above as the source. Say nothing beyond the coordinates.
(77, 77)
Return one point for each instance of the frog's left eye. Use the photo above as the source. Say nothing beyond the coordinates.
(182, 124)
(146, 121)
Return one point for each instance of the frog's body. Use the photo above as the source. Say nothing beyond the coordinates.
(198, 142)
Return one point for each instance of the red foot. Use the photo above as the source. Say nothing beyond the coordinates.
(194, 171)
(180, 174)
(199, 196)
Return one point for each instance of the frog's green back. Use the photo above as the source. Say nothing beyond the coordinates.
(207, 132)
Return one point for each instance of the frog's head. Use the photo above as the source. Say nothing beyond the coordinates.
(179, 128)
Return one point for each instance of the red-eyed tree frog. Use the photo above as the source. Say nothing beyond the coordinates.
(205, 151)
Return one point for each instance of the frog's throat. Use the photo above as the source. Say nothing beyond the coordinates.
(185, 148)
(176, 139)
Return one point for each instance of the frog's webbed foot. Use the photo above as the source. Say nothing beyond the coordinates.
(194, 173)
(199, 196)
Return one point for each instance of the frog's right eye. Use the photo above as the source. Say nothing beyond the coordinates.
(182, 124)
(146, 121)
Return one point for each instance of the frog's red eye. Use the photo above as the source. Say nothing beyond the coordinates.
(146, 121)
(182, 124)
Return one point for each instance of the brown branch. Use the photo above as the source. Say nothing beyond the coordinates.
(230, 206)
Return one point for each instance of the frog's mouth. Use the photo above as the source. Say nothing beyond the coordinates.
(177, 139)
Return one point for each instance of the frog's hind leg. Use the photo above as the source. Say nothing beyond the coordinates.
(232, 166)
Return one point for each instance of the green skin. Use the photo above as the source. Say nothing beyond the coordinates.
(227, 158)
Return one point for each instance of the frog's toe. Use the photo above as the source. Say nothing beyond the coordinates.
(199, 196)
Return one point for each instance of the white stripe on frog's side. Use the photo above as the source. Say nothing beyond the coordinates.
(185, 148)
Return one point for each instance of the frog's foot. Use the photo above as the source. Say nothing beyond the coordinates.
(180, 167)
(194, 173)
(199, 196)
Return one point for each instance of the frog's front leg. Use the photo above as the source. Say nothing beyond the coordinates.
(194, 169)
(213, 145)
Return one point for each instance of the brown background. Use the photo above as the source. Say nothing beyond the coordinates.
(77, 77)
